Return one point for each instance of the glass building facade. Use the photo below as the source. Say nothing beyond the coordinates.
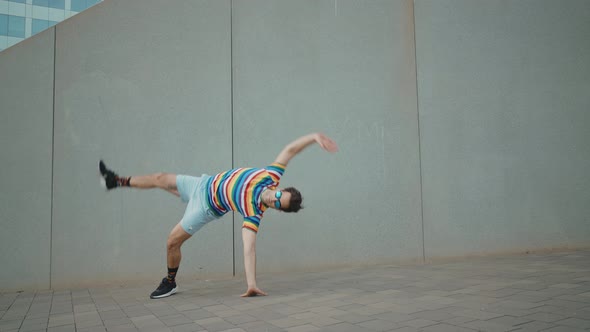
(20, 19)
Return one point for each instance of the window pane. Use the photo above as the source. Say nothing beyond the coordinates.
(38, 26)
(3, 24)
(78, 5)
(44, 3)
(19, 1)
(16, 26)
(90, 3)
(59, 4)
(51, 23)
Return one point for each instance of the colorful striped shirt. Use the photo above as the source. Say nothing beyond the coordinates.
(240, 189)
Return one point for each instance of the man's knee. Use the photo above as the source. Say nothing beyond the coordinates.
(173, 243)
(177, 238)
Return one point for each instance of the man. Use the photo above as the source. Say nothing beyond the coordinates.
(249, 191)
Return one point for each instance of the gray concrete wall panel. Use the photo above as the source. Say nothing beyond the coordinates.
(345, 68)
(504, 100)
(146, 86)
(26, 126)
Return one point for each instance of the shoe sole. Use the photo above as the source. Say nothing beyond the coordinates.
(103, 182)
(173, 291)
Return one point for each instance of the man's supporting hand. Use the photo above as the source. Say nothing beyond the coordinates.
(255, 291)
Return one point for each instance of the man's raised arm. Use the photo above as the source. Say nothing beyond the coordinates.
(293, 148)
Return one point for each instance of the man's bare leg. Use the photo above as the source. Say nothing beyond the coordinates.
(175, 241)
(178, 235)
(165, 181)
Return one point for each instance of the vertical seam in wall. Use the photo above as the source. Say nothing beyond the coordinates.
(419, 132)
(231, 79)
(52, 162)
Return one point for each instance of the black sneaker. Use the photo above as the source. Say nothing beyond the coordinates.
(109, 178)
(165, 289)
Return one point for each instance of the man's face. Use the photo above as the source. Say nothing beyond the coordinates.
(280, 200)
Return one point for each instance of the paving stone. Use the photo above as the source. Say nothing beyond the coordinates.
(148, 321)
(510, 320)
(487, 326)
(561, 329)
(346, 327)
(564, 304)
(445, 328)
(60, 320)
(240, 319)
(478, 314)
(501, 293)
(408, 308)
(286, 322)
(197, 314)
(327, 311)
(379, 325)
(407, 329)
(193, 327)
(574, 322)
(33, 327)
(112, 322)
(266, 315)
(518, 304)
(260, 326)
(435, 315)
(565, 285)
(62, 308)
(322, 321)
(112, 314)
(64, 328)
(418, 323)
(84, 308)
(303, 328)
(352, 318)
(215, 324)
(544, 317)
(367, 310)
(174, 320)
(459, 320)
(511, 311)
(394, 317)
(92, 329)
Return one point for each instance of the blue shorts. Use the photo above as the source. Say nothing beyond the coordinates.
(193, 190)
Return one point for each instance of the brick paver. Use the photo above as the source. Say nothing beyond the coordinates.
(537, 292)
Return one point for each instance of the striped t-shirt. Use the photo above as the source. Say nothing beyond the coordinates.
(239, 190)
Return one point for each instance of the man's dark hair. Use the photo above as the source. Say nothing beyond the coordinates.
(295, 201)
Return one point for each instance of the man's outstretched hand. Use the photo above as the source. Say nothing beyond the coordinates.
(254, 292)
(326, 143)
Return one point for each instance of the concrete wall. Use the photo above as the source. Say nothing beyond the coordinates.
(146, 86)
(26, 127)
(504, 98)
(489, 132)
(345, 68)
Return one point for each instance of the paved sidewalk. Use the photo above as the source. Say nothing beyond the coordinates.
(548, 292)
